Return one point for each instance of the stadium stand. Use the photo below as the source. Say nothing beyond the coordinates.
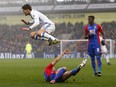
(70, 7)
(10, 3)
(15, 40)
(54, 5)
(102, 6)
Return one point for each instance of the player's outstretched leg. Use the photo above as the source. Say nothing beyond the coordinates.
(76, 70)
(53, 41)
(83, 63)
(73, 72)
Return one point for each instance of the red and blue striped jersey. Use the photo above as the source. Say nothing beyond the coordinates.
(94, 29)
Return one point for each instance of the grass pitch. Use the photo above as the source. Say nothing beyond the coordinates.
(29, 73)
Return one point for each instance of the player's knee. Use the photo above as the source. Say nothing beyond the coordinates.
(65, 68)
(32, 34)
(41, 32)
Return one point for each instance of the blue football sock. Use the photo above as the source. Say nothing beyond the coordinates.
(93, 63)
(75, 71)
(59, 74)
(99, 63)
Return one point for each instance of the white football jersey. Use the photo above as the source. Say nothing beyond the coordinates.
(100, 38)
(38, 18)
(103, 47)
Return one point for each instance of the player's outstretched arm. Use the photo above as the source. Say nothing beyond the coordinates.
(66, 51)
(25, 22)
(25, 29)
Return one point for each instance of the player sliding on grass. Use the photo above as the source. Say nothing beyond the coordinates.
(61, 74)
(48, 27)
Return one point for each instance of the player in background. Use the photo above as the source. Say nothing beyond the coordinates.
(60, 75)
(91, 32)
(48, 27)
(28, 50)
(104, 50)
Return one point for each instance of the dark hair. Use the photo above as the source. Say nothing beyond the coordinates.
(91, 16)
(26, 6)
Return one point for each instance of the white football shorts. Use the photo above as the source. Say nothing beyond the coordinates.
(104, 49)
(50, 28)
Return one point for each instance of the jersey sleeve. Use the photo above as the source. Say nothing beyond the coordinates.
(36, 22)
(86, 30)
(99, 28)
(31, 22)
(50, 66)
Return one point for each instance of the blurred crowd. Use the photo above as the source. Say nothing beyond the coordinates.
(13, 39)
(102, 1)
(51, 2)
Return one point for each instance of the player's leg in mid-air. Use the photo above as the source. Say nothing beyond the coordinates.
(37, 37)
(45, 34)
(63, 74)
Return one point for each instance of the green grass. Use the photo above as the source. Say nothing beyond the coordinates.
(29, 73)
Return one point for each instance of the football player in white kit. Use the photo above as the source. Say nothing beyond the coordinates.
(48, 27)
(104, 50)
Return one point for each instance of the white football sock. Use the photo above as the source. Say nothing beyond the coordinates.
(46, 35)
(44, 38)
(36, 37)
(107, 58)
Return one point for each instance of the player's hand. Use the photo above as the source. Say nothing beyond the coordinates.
(66, 51)
(89, 36)
(103, 42)
(25, 29)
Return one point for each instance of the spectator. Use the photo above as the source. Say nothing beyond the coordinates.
(15, 40)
